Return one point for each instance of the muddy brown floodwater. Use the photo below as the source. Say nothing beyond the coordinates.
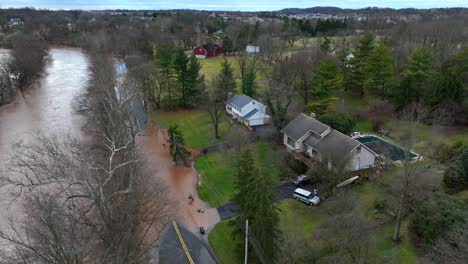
(47, 107)
(181, 181)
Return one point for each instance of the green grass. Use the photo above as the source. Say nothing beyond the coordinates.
(384, 248)
(194, 124)
(368, 194)
(298, 221)
(463, 195)
(224, 244)
(363, 126)
(217, 173)
(212, 66)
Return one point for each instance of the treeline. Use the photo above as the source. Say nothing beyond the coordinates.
(172, 79)
(369, 69)
(22, 66)
(100, 206)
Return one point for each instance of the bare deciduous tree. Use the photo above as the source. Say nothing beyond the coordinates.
(99, 189)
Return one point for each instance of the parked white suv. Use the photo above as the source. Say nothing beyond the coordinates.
(306, 197)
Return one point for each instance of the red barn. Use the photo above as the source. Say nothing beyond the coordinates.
(207, 50)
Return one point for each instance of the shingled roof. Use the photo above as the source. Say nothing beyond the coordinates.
(239, 100)
(302, 124)
(333, 146)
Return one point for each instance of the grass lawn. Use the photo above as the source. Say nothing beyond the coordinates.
(212, 66)
(297, 221)
(463, 195)
(224, 244)
(217, 173)
(194, 124)
(385, 250)
(363, 126)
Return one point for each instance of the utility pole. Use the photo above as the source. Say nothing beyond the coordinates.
(246, 240)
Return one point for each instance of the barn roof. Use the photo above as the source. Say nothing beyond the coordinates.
(210, 47)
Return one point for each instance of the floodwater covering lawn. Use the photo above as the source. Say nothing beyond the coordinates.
(217, 173)
(194, 124)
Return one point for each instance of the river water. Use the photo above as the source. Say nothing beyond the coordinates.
(47, 108)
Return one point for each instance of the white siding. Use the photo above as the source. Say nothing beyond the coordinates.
(362, 160)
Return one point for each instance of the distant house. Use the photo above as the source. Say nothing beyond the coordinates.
(246, 110)
(313, 141)
(207, 50)
(252, 49)
(13, 22)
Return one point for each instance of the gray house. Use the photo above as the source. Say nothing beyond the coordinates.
(313, 141)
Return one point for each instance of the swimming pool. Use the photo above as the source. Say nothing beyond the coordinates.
(385, 148)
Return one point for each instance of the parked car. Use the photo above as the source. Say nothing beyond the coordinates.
(306, 197)
(301, 180)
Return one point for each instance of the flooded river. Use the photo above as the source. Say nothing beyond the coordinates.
(45, 108)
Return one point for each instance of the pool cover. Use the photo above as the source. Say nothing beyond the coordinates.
(385, 148)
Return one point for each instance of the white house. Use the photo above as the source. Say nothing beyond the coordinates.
(252, 49)
(248, 111)
(13, 22)
(313, 141)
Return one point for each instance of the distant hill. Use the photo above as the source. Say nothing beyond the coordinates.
(368, 10)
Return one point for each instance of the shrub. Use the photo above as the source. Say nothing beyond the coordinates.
(456, 176)
(437, 215)
(380, 204)
(446, 153)
(339, 121)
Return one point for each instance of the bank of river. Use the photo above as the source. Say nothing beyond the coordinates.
(47, 107)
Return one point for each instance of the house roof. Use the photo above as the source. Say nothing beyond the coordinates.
(210, 47)
(251, 113)
(334, 146)
(302, 124)
(240, 100)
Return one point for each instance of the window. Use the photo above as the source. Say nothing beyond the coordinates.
(291, 142)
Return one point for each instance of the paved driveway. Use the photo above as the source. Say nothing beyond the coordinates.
(283, 192)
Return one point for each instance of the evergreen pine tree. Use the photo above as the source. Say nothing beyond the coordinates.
(416, 77)
(181, 70)
(193, 80)
(256, 199)
(379, 71)
(357, 75)
(226, 76)
(327, 79)
(177, 144)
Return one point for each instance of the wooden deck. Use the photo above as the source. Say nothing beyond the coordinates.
(307, 161)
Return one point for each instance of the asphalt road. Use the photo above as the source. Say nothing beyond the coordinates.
(283, 192)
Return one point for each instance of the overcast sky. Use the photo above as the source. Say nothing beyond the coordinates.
(232, 5)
